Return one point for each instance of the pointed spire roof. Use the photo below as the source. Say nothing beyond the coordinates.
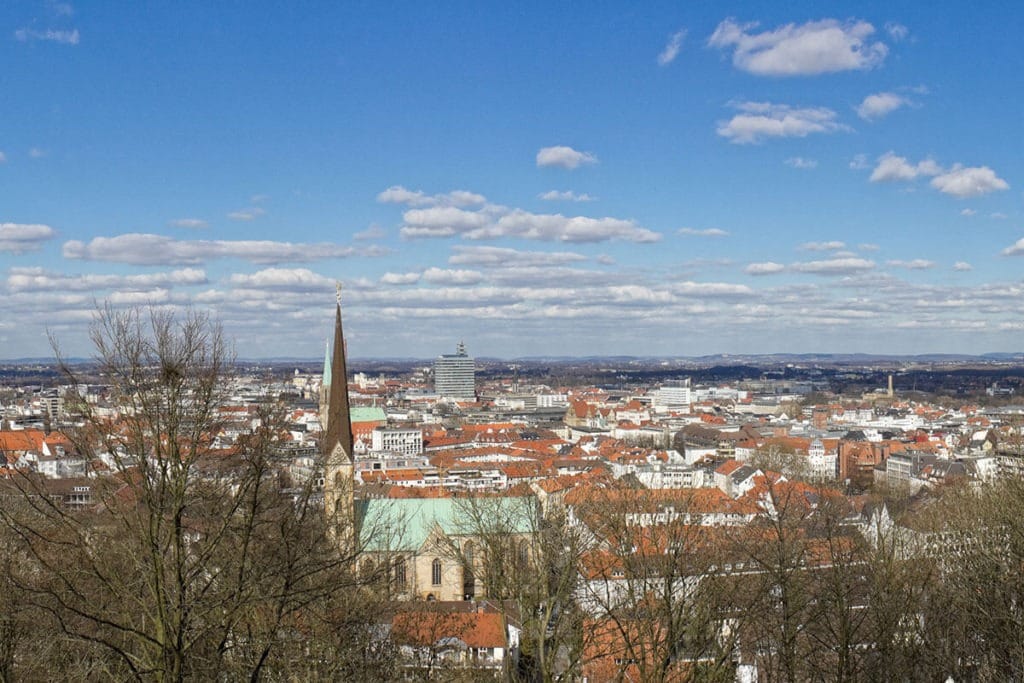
(339, 425)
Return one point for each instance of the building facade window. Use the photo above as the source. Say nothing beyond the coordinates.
(435, 573)
(400, 577)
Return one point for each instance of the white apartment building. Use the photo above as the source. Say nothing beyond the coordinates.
(405, 440)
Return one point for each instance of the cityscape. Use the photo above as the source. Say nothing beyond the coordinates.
(529, 343)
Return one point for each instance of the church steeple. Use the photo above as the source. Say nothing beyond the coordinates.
(339, 425)
(339, 464)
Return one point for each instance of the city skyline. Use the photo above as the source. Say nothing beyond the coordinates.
(540, 181)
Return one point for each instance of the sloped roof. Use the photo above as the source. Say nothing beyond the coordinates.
(403, 525)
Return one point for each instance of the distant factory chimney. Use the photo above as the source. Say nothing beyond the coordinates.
(890, 387)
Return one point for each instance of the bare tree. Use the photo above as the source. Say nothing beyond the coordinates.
(188, 560)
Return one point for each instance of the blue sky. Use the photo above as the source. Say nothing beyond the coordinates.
(537, 178)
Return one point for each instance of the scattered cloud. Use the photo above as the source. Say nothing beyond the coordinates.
(914, 264)
(892, 168)
(998, 216)
(17, 238)
(958, 181)
(396, 194)
(880, 105)
(867, 246)
(801, 163)
(859, 162)
(374, 232)
(292, 279)
(963, 182)
(36, 153)
(492, 222)
(399, 278)
(962, 266)
(65, 37)
(504, 256)
(758, 121)
(831, 245)
(258, 198)
(1015, 249)
(708, 232)
(150, 249)
(252, 213)
(188, 223)
(809, 49)
(967, 212)
(764, 268)
(605, 260)
(561, 156)
(38, 279)
(835, 266)
(896, 31)
(672, 47)
(3, 158)
(450, 276)
(565, 196)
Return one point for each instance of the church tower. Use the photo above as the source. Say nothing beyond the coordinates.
(339, 467)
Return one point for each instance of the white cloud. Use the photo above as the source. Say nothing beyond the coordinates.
(252, 213)
(18, 238)
(565, 196)
(765, 268)
(291, 279)
(188, 223)
(959, 181)
(761, 120)
(150, 249)
(504, 256)
(867, 246)
(400, 278)
(396, 194)
(859, 162)
(896, 31)
(451, 276)
(893, 168)
(36, 153)
(494, 221)
(879, 105)
(801, 162)
(258, 198)
(50, 35)
(823, 246)
(969, 181)
(605, 260)
(800, 50)
(559, 228)
(962, 266)
(671, 51)
(835, 266)
(374, 232)
(967, 212)
(998, 215)
(914, 264)
(37, 279)
(561, 156)
(708, 232)
(1014, 249)
(3, 158)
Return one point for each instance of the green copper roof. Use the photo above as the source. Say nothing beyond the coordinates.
(403, 524)
(367, 414)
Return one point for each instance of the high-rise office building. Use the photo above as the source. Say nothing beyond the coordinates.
(455, 375)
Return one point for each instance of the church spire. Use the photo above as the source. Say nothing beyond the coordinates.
(339, 425)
